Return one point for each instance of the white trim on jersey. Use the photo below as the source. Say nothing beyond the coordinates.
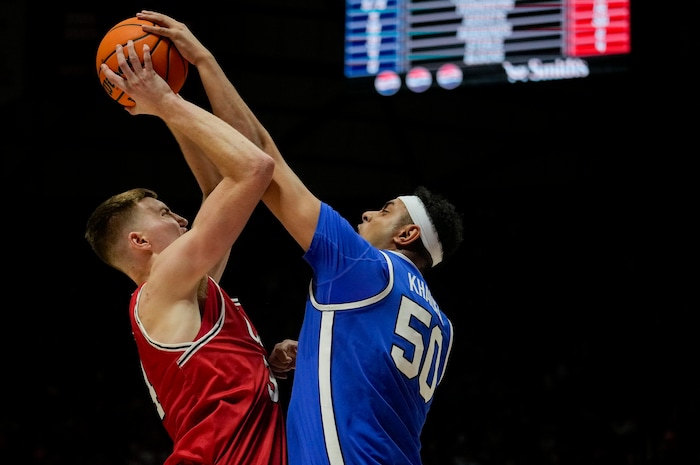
(187, 348)
(330, 431)
(358, 303)
(216, 329)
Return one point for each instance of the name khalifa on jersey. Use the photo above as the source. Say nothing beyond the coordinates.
(418, 286)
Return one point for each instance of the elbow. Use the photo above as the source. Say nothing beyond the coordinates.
(264, 168)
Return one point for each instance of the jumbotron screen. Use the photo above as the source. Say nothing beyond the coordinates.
(415, 45)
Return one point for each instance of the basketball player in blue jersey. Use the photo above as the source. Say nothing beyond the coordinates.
(374, 343)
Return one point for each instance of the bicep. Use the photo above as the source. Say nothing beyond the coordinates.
(205, 248)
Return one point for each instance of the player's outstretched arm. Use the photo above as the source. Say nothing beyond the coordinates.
(287, 197)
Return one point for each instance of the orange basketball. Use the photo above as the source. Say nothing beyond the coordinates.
(167, 61)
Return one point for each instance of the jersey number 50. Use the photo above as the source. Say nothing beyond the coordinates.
(423, 362)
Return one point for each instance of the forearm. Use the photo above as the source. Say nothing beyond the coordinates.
(227, 103)
(228, 152)
(205, 172)
(286, 197)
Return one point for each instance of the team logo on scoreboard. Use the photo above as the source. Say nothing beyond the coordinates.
(449, 76)
(387, 83)
(419, 79)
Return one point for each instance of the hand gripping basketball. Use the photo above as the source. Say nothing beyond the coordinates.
(167, 60)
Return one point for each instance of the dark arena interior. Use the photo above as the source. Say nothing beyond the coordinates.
(571, 296)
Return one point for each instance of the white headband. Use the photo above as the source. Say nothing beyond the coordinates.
(428, 234)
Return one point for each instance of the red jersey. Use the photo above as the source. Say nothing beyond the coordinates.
(216, 396)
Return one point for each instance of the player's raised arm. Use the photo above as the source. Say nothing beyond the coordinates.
(178, 269)
(287, 197)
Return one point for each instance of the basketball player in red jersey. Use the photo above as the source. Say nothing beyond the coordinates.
(203, 361)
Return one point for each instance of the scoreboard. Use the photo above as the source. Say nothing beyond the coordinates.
(425, 43)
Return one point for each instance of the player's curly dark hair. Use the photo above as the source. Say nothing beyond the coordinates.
(447, 220)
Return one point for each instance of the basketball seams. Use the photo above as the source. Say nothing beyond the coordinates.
(167, 60)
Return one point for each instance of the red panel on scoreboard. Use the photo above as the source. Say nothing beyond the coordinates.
(597, 27)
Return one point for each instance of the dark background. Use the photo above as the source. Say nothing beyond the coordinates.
(571, 296)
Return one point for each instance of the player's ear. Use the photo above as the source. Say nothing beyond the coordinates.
(138, 240)
(408, 234)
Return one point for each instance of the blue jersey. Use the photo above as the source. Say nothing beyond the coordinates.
(372, 349)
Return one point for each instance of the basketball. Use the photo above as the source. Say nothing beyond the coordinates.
(167, 61)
